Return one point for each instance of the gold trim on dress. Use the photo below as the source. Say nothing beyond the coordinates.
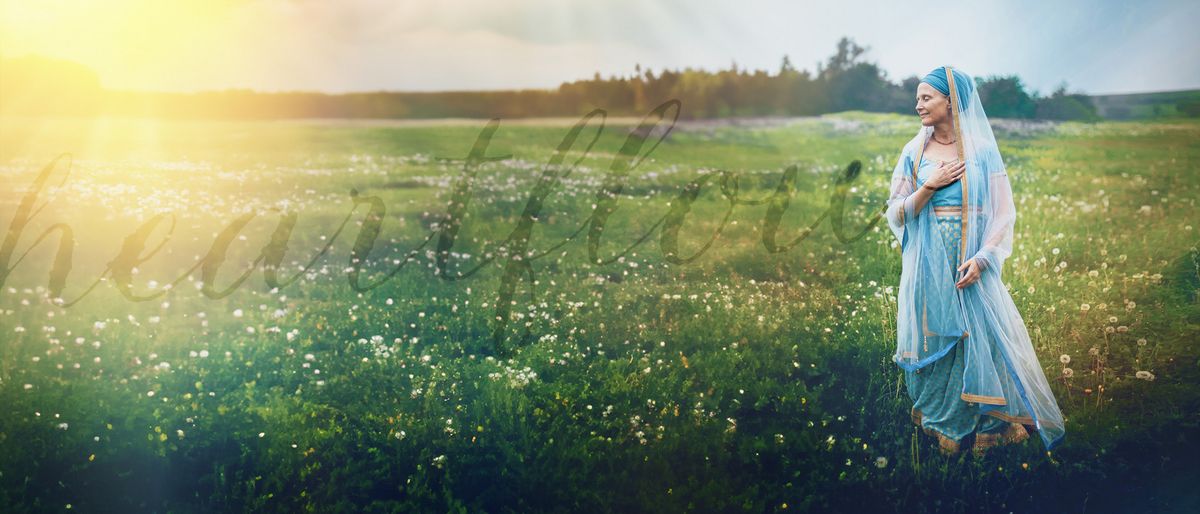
(953, 210)
(961, 157)
(1013, 433)
(946, 444)
(990, 400)
(1024, 420)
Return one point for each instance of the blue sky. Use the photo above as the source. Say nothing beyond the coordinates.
(363, 45)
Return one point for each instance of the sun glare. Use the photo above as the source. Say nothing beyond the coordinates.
(131, 42)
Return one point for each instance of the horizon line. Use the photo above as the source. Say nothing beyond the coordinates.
(545, 88)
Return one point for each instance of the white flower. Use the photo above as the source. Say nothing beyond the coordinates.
(1144, 375)
(881, 462)
(1064, 358)
(1068, 372)
(63, 426)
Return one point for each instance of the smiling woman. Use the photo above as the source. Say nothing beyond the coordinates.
(967, 357)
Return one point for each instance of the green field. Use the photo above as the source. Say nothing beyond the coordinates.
(744, 380)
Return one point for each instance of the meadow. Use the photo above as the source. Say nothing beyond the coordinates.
(754, 377)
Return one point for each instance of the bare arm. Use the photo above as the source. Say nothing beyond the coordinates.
(946, 173)
(920, 197)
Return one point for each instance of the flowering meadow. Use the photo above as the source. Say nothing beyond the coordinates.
(289, 317)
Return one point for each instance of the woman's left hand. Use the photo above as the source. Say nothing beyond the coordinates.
(972, 273)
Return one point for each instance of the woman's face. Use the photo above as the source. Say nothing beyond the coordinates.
(932, 106)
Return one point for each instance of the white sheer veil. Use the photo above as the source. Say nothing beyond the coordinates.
(1003, 375)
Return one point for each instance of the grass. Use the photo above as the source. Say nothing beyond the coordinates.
(743, 380)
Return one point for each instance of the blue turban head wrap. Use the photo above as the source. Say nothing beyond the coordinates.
(962, 83)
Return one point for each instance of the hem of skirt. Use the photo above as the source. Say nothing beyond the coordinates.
(1015, 432)
(948, 445)
(1012, 434)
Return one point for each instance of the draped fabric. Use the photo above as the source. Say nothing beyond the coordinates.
(1002, 376)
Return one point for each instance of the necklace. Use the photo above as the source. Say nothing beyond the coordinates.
(939, 141)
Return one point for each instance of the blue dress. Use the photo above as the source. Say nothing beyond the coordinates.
(934, 389)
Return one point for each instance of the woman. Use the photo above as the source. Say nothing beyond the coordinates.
(968, 362)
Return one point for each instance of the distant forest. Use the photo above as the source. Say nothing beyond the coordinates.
(38, 86)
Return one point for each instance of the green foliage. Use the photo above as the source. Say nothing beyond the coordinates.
(1005, 97)
(1064, 106)
(845, 82)
(743, 381)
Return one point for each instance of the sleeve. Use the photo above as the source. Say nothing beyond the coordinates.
(1002, 214)
(900, 213)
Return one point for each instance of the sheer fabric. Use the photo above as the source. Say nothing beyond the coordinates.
(934, 315)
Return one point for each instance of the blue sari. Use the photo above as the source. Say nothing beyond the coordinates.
(938, 408)
(966, 353)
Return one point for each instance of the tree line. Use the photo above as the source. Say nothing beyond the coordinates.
(845, 81)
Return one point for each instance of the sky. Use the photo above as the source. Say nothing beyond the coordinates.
(1095, 47)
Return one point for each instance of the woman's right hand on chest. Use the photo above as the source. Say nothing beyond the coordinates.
(946, 173)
